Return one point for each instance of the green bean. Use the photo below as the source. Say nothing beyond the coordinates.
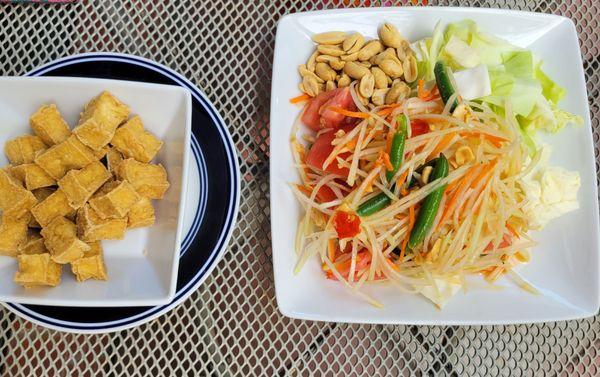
(375, 204)
(397, 149)
(430, 205)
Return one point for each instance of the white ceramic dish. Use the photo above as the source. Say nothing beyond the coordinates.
(565, 264)
(142, 268)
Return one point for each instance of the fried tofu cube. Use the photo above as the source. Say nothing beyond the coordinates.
(48, 124)
(114, 199)
(79, 185)
(93, 134)
(113, 160)
(33, 244)
(13, 232)
(55, 205)
(60, 238)
(32, 176)
(37, 269)
(91, 265)
(100, 119)
(92, 227)
(133, 141)
(15, 200)
(60, 158)
(23, 149)
(40, 194)
(149, 180)
(141, 214)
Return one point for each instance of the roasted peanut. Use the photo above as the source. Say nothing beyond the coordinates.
(325, 72)
(369, 50)
(353, 43)
(310, 64)
(391, 68)
(305, 72)
(343, 80)
(330, 85)
(329, 38)
(381, 81)
(355, 70)
(332, 50)
(366, 86)
(311, 86)
(397, 93)
(378, 97)
(390, 36)
(410, 68)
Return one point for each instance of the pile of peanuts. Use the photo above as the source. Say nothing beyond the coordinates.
(382, 67)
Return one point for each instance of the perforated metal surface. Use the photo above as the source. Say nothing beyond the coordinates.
(231, 325)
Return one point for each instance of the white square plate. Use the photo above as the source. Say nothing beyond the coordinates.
(564, 265)
(142, 268)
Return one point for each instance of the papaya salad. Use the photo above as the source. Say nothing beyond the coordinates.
(418, 162)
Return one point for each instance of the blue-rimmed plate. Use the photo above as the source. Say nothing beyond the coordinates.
(211, 204)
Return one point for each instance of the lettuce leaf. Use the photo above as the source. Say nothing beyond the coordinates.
(551, 90)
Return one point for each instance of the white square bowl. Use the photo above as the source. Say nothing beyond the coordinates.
(142, 267)
(565, 264)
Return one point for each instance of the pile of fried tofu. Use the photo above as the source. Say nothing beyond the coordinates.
(66, 190)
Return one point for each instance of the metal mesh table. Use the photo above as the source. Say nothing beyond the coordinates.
(231, 325)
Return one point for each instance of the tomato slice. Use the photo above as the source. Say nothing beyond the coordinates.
(363, 259)
(319, 152)
(342, 99)
(325, 194)
(346, 224)
(418, 127)
(311, 116)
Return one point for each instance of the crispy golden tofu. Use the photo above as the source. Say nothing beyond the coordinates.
(33, 244)
(60, 238)
(141, 214)
(13, 232)
(70, 154)
(15, 200)
(23, 149)
(114, 199)
(37, 269)
(79, 185)
(100, 119)
(133, 141)
(149, 180)
(113, 159)
(55, 205)
(93, 134)
(48, 124)
(32, 176)
(40, 194)
(92, 227)
(91, 265)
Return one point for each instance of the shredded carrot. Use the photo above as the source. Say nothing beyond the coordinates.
(512, 230)
(401, 180)
(352, 143)
(387, 111)
(352, 114)
(331, 250)
(301, 98)
(426, 95)
(487, 168)
(392, 264)
(384, 159)
(443, 144)
(305, 190)
(411, 223)
(450, 206)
